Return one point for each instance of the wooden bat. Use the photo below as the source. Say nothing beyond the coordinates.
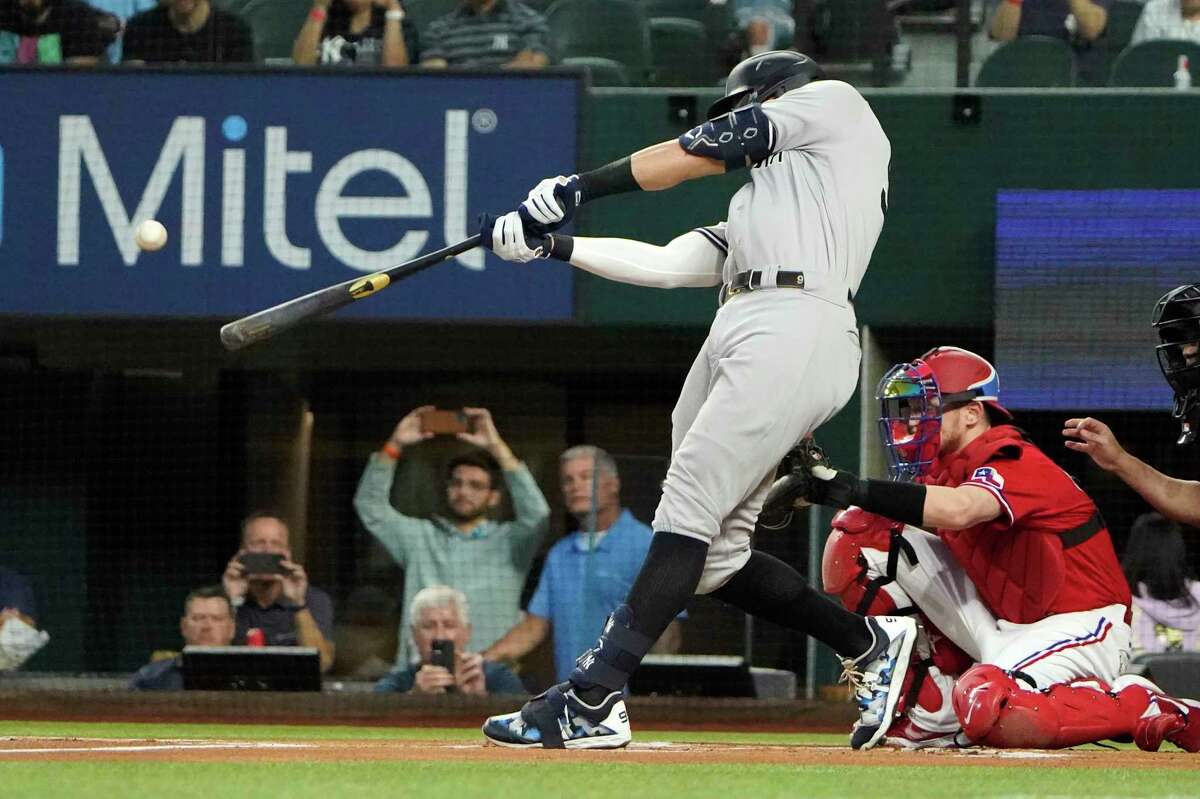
(264, 324)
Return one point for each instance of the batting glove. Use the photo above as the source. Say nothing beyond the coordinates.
(509, 238)
(552, 202)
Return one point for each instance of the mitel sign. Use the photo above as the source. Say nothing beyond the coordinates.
(270, 185)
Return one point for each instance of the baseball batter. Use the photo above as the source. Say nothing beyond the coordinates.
(1020, 572)
(781, 358)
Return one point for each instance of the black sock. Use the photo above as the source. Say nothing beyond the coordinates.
(770, 589)
(666, 582)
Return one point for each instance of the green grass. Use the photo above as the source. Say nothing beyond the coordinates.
(557, 780)
(374, 780)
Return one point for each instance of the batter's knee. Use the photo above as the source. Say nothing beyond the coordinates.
(720, 568)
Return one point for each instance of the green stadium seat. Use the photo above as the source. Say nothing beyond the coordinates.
(614, 29)
(601, 71)
(1030, 61)
(681, 52)
(1153, 63)
(687, 9)
(275, 24)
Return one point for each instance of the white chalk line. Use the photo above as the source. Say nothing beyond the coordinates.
(157, 747)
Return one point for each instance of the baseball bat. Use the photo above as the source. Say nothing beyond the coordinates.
(265, 324)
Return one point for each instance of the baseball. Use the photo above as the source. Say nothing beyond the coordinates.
(150, 235)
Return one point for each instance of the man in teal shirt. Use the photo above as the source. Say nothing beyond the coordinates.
(485, 559)
(587, 573)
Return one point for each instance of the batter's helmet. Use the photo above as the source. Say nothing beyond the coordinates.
(764, 77)
(1177, 321)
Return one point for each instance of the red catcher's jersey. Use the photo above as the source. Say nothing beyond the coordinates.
(1018, 560)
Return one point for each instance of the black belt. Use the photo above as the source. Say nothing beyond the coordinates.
(753, 281)
(1076, 536)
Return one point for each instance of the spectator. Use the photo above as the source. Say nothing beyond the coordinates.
(356, 32)
(54, 32)
(1166, 601)
(1081, 21)
(765, 24)
(191, 31)
(20, 638)
(1078, 22)
(440, 613)
(487, 560)
(487, 33)
(123, 10)
(288, 610)
(587, 573)
(207, 621)
(1168, 19)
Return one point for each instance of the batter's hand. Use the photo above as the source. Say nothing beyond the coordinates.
(1094, 437)
(509, 237)
(552, 202)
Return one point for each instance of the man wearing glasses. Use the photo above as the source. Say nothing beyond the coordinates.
(485, 559)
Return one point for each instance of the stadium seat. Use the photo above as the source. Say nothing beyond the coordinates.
(614, 29)
(1030, 61)
(601, 71)
(275, 24)
(681, 53)
(1153, 63)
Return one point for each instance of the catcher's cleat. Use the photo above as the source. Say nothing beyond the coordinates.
(558, 719)
(877, 677)
(1174, 720)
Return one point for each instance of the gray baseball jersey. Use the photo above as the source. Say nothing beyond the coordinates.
(817, 203)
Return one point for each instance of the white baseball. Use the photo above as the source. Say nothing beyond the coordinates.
(150, 235)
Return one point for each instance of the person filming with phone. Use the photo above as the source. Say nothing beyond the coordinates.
(441, 627)
(271, 592)
(487, 560)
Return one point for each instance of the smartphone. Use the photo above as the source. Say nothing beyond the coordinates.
(443, 423)
(262, 563)
(442, 654)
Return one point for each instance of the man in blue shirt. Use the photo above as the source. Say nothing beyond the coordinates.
(588, 573)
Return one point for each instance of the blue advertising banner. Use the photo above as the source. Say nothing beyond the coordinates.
(272, 184)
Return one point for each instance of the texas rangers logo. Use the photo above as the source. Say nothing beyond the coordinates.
(988, 476)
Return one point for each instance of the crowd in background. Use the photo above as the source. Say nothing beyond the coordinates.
(511, 34)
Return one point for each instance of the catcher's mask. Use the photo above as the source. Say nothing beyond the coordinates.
(1176, 319)
(913, 396)
(910, 421)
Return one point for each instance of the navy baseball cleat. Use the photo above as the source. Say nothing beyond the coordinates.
(877, 677)
(558, 719)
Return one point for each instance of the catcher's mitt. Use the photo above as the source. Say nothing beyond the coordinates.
(795, 487)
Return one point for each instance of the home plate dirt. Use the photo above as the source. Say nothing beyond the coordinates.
(231, 751)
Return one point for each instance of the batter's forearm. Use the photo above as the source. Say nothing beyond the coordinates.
(665, 165)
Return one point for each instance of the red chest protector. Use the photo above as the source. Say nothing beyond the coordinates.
(1018, 571)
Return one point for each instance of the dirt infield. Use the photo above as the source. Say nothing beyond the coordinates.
(223, 751)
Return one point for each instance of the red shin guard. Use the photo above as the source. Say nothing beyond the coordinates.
(996, 710)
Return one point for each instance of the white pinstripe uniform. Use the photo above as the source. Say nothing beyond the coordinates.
(778, 363)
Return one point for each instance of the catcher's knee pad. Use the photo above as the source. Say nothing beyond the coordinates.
(980, 697)
(848, 573)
